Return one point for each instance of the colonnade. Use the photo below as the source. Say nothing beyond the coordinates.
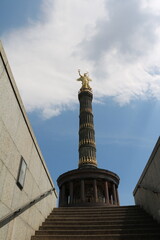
(97, 192)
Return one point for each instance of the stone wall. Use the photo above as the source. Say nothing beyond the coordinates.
(16, 141)
(147, 191)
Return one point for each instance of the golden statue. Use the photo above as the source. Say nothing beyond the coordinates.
(85, 80)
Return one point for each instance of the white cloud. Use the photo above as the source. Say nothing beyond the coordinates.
(51, 112)
(116, 41)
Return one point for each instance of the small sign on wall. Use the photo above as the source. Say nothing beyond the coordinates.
(21, 173)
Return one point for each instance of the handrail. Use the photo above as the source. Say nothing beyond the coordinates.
(148, 189)
(18, 211)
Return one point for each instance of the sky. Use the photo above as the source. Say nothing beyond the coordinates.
(118, 43)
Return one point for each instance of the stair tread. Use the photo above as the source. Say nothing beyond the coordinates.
(115, 234)
(99, 213)
(97, 230)
(72, 221)
(99, 226)
(98, 218)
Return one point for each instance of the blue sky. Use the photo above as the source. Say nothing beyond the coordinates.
(118, 43)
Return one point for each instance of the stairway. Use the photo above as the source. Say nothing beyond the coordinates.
(109, 223)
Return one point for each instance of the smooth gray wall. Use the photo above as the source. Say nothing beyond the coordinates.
(17, 139)
(147, 191)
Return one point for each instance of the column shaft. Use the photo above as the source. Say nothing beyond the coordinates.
(87, 145)
(106, 192)
(82, 191)
(71, 192)
(95, 190)
(118, 203)
(114, 195)
(62, 199)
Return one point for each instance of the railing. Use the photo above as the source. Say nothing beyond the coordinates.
(148, 189)
(19, 211)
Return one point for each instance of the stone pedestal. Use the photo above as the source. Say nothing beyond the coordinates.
(88, 187)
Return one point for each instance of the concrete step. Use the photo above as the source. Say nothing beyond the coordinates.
(93, 221)
(96, 208)
(96, 231)
(102, 227)
(97, 218)
(101, 210)
(99, 213)
(150, 236)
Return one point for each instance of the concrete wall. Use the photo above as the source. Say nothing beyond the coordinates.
(16, 140)
(147, 191)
